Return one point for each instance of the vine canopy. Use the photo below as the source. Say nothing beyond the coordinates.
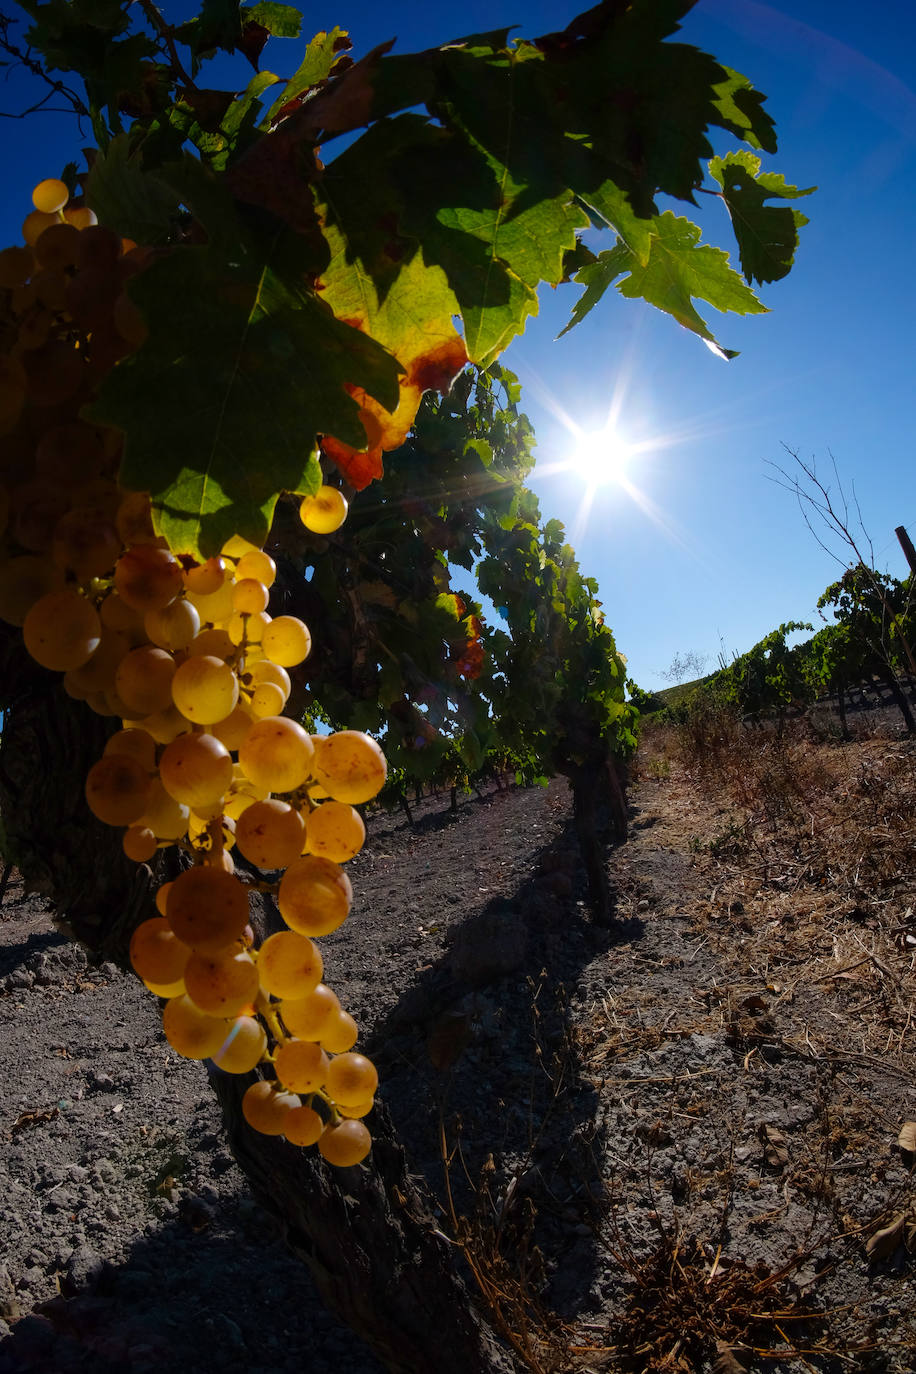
(297, 294)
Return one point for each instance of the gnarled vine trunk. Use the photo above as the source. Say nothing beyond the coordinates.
(366, 1233)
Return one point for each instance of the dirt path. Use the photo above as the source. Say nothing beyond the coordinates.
(646, 1126)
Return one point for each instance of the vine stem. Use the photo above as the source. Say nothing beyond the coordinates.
(165, 33)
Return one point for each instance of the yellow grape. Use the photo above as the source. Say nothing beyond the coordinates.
(35, 224)
(266, 1109)
(207, 908)
(314, 896)
(98, 673)
(244, 1046)
(286, 640)
(341, 1034)
(214, 607)
(270, 834)
(143, 680)
(221, 984)
(237, 803)
(308, 1017)
(23, 581)
(346, 1144)
(147, 578)
(257, 564)
(62, 630)
(267, 699)
(324, 512)
(335, 831)
(191, 1032)
(214, 643)
(166, 990)
(117, 789)
(85, 542)
(303, 1126)
(58, 246)
(233, 730)
(166, 817)
(351, 1078)
(206, 578)
(116, 615)
(265, 671)
(50, 195)
(164, 726)
(356, 1109)
(205, 689)
(301, 1066)
(139, 843)
(162, 897)
(196, 769)
(137, 744)
(80, 216)
(156, 954)
(350, 765)
(276, 754)
(289, 965)
(249, 596)
(173, 627)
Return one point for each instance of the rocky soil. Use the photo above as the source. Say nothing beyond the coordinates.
(662, 1143)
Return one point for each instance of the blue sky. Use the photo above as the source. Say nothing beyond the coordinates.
(700, 550)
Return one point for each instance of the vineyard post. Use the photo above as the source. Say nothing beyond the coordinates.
(907, 545)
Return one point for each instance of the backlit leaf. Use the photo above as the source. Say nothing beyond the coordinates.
(767, 234)
(679, 269)
(221, 406)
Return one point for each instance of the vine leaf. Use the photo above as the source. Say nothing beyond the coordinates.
(377, 280)
(315, 67)
(678, 269)
(767, 234)
(127, 197)
(494, 241)
(222, 404)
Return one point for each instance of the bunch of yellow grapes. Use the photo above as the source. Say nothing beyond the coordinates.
(186, 656)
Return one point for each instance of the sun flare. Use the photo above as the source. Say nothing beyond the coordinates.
(601, 458)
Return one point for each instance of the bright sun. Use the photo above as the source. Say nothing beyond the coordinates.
(601, 457)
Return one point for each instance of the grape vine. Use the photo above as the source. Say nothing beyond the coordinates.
(218, 326)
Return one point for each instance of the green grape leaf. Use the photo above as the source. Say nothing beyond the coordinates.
(127, 198)
(217, 26)
(679, 269)
(320, 56)
(596, 277)
(283, 21)
(494, 242)
(740, 110)
(767, 234)
(221, 405)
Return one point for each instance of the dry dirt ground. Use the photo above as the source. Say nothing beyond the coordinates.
(663, 1143)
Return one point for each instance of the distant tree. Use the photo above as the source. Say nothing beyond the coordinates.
(685, 667)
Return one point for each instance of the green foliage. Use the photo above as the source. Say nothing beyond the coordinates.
(481, 163)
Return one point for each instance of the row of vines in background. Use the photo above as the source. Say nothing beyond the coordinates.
(869, 639)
